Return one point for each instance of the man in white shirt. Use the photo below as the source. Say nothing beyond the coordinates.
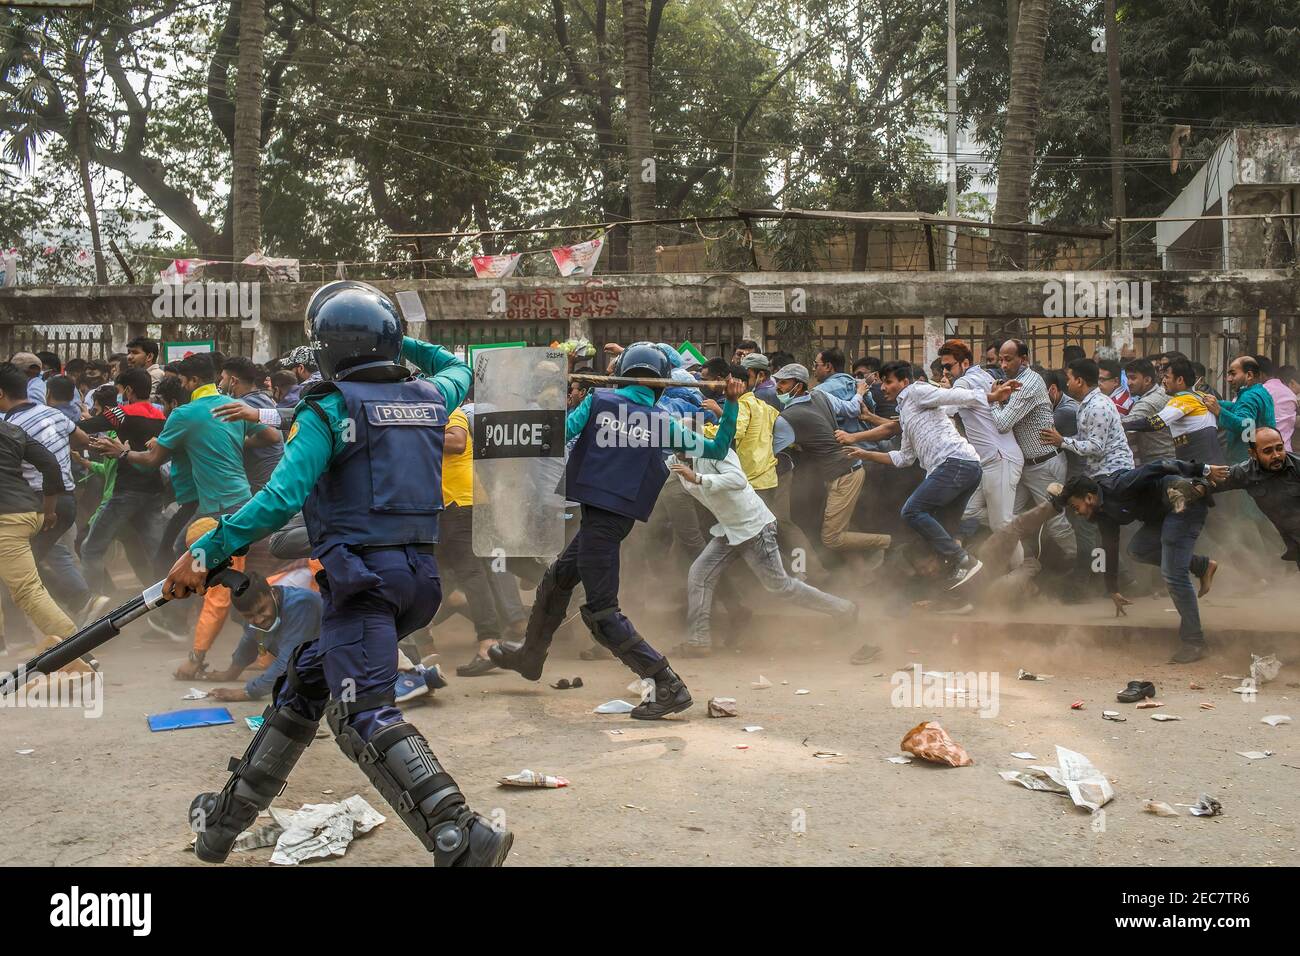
(1001, 460)
(952, 467)
(745, 529)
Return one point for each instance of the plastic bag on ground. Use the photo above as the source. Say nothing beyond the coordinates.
(931, 742)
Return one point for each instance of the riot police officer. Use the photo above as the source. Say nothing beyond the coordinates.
(363, 461)
(616, 470)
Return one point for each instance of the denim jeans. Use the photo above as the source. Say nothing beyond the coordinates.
(938, 502)
(54, 557)
(1170, 545)
(764, 559)
(135, 518)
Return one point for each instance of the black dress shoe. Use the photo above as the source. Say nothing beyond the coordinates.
(476, 668)
(1135, 691)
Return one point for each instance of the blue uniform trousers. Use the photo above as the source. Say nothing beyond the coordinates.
(355, 657)
(592, 557)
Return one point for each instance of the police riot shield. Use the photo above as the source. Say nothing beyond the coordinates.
(520, 402)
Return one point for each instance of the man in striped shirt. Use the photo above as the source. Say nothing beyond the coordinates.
(51, 547)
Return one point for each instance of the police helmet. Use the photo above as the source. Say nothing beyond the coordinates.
(353, 326)
(645, 358)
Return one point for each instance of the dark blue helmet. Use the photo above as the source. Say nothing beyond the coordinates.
(353, 326)
(644, 357)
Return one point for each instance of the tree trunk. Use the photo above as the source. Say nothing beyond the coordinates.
(246, 155)
(82, 126)
(640, 141)
(1020, 135)
(1117, 200)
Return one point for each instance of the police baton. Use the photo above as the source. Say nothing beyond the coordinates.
(108, 627)
(651, 382)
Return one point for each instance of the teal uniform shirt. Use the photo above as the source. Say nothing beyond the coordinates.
(308, 450)
(1252, 409)
(682, 439)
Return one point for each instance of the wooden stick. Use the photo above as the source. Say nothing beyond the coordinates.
(651, 382)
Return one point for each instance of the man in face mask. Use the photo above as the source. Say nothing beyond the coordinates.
(276, 620)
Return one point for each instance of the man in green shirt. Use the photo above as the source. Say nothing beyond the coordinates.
(1252, 409)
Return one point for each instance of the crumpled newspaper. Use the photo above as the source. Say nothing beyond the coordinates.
(1075, 777)
(315, 830)
(929, 741)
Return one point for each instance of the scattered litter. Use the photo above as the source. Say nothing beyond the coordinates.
(1206, 705)
(643, 686)
(899, 759)
(24, 753)
(1264, 669)
(722, 707)
(1077, 705)
(1194, 686)
(1024, 755)
(1025, 675)
(531, 778)
(565, 684)
(265, 835)
(1114, 715)
(1035, 778)
(1076, 777)
(614, 707)
(931, 742)
(1163, 717)
(254, 723)
(1254, 754)
(183, 719)
(1274, 720)
(326, 793)
(742, 746)
(1160, 809)
(1206, 806)
(824, 754)
(315, 830)
(633, 806)
(761, 684)
(752, 730)
(1149, 704)
(195, 694)
(801, 691)
(614, 733)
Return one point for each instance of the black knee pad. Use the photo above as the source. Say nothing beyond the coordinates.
(398, 762)
(255, 780)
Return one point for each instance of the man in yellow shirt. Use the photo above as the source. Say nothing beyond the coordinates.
(455, 548)
(755, 421)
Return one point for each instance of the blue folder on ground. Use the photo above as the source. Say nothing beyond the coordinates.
(196, 717)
